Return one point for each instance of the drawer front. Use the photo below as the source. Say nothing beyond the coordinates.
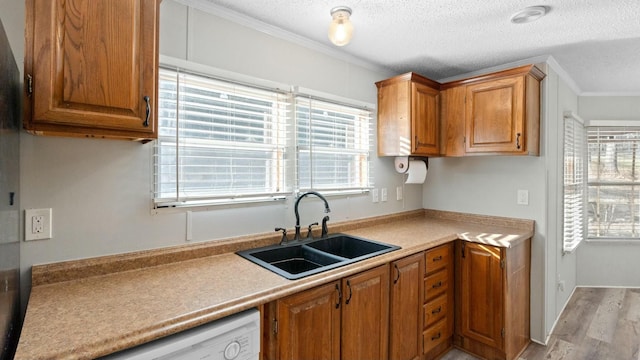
(434, 336)
(436, 284)
(435, 310)
(437, 258)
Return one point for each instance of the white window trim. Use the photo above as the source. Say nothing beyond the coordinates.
(610, 123)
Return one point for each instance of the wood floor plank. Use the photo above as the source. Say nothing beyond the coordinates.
(631, 306)
(561, 350)
(580, 310)
(625, 343)
(603, 325)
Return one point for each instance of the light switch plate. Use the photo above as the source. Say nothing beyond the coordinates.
(523, 197)
(374, 195)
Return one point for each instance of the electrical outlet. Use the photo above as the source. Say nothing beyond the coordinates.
(383, 194)
(37, 224)
(374, 195)
(399, 193)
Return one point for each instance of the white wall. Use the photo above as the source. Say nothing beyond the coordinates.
(602, 263)
(488, 185)
(100, 190)
(561, 267)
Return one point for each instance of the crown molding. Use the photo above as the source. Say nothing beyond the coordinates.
(261, 26)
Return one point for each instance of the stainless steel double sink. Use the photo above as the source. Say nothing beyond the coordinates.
(300, 259)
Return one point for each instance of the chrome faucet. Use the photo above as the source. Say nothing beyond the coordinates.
(295, 209)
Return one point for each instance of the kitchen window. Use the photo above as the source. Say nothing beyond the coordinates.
(613, 183)
(333, 142)
(218, 141)
(222, 142)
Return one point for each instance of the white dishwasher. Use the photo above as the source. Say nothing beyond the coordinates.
(235, 337)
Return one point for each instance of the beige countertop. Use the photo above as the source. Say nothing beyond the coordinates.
(89, 308)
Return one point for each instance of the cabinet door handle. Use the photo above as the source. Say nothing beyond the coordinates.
(437, 258)
(437, 285)
(146, 120)
(436, 337)
(350, 293)
(518, 140)
(437, 311)
(395, 280)
(339, 296)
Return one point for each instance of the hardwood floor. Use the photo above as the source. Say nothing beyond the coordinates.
(597, 324)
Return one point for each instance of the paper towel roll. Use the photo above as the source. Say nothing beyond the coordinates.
(417, 172)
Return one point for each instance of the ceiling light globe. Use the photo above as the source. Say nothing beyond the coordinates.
(341, 28)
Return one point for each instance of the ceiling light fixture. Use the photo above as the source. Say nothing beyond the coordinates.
(529, 14)
(340, 29)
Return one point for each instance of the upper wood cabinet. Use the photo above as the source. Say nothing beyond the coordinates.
(408, 116)
(492, 308)
(497, 113)
(91, 68)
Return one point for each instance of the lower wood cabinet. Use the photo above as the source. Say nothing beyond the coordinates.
(492, 304)
(406, 310)
(405, 322)
(345, 319)
(437, 319)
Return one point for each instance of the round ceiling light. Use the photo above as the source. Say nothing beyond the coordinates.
(341, 28)
(529, 14)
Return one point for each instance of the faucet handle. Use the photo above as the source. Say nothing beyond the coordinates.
(284, 239)
(309, 233)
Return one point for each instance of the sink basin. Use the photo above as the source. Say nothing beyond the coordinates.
(300, 259)
(348, 246)
(294, 259)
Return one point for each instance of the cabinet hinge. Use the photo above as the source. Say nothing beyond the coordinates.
(464, 139)
(29, 85)
(502, 333)
(502, 263)
(275, 326)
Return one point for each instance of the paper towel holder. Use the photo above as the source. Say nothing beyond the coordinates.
(402, 162)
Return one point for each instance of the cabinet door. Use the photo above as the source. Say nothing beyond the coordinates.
(394, 118)
(482, 303)
(365, 315)
(452, 138)
(406, 307)
(425, 120)
(495, 116)
(309, 324)
(91, 67)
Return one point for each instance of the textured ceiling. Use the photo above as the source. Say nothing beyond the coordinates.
(597, 42)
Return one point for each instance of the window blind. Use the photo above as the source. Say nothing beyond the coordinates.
(218, 140)
(613, 183)
(333, 145)
(574, 182)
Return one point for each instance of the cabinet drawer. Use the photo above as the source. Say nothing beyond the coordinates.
(434, 336)
(437, 258)
(435, 310)
(436, 284)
